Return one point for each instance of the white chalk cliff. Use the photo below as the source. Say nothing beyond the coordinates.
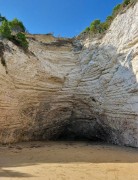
(78, 88)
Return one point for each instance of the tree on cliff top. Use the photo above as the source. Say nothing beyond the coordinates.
(16, 26)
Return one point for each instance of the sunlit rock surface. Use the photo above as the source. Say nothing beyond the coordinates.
(73, 88)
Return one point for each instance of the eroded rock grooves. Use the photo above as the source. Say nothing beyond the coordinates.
(77, 88)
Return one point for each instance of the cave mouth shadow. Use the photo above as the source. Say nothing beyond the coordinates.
(68, 136)
(79, 139)
(81, 130)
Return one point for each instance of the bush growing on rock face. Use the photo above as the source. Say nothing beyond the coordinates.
(87, 30)
(17, 26)
(126, 2)
(5, 30)
(104, 26)
(95, 26)
(21, 39)
(109, 19)
(14, 31)
(116, 10)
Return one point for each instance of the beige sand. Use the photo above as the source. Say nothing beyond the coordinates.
(68, 161)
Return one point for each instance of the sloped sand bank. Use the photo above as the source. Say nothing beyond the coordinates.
(68, 161)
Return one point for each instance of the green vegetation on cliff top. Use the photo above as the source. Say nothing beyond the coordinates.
(14, 31)
(98, 27)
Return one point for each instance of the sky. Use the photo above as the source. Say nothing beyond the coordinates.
(65, 18)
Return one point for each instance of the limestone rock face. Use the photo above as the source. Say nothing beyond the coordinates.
(73, 88)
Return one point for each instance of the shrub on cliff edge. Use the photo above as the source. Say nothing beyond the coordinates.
(14, 31)
(5, 30)
(16, 26)
(97, 26)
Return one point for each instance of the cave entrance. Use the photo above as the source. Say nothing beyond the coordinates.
(77, 124)
(74, 137)
(80, 130)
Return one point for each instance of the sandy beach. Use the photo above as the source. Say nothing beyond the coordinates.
(68, 161)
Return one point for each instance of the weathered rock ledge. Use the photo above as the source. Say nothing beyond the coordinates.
(65, 87)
